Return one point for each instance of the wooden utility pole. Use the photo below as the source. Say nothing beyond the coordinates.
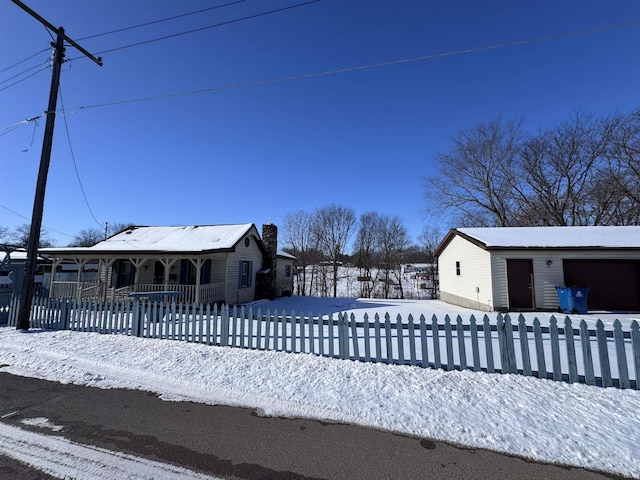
(26, 298)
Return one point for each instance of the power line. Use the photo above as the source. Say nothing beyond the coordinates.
(24, 60)
(346, 69)
(22, 73)
(23, 79)
(363, 67)
(228, 22)
(160, 20)
(75, 164)
(29, 220)
(11, 128)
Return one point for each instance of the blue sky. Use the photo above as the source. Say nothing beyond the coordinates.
(363, 138)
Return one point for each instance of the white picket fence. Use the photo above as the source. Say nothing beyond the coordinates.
(559, 352)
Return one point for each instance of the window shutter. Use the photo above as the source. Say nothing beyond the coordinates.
(240, 274)
(250, 282)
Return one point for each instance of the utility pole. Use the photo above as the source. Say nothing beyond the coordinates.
(26, 298)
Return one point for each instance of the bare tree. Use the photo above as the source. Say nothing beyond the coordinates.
(476, 176)
(87, 237)
(366, 249)
(298, 239)
(334, 225)
(117, 227)
(585, 171)
(4, 233)
(393, 240)
(20, 236)
(560, 172)
(623, 162)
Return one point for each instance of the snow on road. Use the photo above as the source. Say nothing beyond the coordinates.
(63, 458)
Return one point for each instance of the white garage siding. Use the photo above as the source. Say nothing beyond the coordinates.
(472, 288)
(545, 277)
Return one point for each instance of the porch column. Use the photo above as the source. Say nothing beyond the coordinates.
(198, 262)
(80, 263)
(107, 263)
(167, 263)
(54, 266)
(137, 262)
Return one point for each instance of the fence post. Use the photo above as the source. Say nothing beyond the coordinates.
(341, 334)
(587, 358)
(224, 325)
(354, 338)
(524, 346)
(623, 370)
(635, 343)
(448, 342)
(137, 318)
(603, 354)
(537, 335)
(571, 350)
(555, 348)
(65, 315)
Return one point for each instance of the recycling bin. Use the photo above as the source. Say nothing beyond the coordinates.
(573, 299)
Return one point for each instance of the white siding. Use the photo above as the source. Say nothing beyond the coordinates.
(473, 287)
(284, 283)
(252, 253)
(545, 277)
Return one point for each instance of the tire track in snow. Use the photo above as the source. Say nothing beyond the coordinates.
(63, 458)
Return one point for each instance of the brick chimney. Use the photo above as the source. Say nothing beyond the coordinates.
(269, 262)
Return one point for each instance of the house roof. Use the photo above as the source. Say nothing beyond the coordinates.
(581, 237)
(183, 239)
(283, 254)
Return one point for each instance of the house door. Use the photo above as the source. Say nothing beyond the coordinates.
(125, 273)
(520, 284)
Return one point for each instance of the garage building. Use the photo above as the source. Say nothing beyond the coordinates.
(518, 268)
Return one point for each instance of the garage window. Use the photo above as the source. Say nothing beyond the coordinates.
(458, 268)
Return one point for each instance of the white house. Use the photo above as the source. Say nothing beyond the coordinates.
(204, 263)
(518, 268)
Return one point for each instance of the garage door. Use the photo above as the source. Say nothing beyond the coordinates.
(614, 284)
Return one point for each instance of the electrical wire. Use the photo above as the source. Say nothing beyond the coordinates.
(23, 79)
(22, 61)
(348, 69)
(228, 22)
(363, 67)
(11, 128)
(73, 157)
(28, 219)
(160, 20)
(22, 73)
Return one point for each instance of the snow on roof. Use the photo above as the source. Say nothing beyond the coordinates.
(556, 237)
(194, 238)
(283, 254)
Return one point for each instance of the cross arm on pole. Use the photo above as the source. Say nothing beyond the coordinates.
(50, 26)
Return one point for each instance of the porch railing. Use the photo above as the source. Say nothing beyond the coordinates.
(89, 289)
(210, 293)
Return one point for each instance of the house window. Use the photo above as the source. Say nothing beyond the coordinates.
(287, 271)
(458, 268)
(244, 274)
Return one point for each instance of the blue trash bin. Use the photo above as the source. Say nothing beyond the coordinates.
(573, 299)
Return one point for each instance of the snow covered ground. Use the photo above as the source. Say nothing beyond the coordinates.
(548, 421)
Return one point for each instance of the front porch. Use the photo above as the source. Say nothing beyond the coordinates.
(199, 280)
(97, 290)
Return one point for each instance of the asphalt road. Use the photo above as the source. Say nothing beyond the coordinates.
(233, 442)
